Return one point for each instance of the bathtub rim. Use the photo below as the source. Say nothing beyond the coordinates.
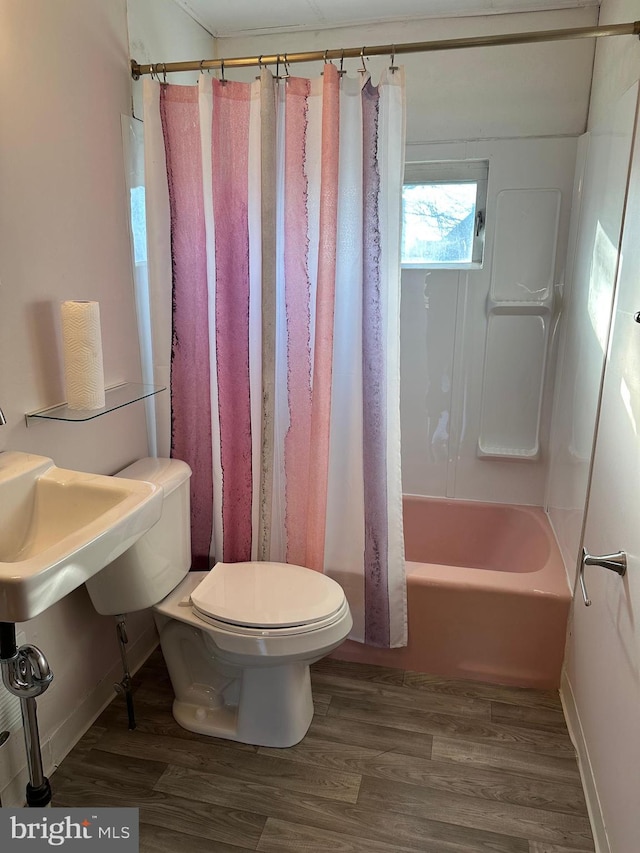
(549, 579)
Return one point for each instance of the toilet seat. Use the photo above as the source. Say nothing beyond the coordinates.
(244, 646)
(288, 631)
(259, 597)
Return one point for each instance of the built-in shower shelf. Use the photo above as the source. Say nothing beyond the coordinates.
(492, 452)
(115, 398)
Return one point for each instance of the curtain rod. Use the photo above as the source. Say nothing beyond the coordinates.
(631, 29)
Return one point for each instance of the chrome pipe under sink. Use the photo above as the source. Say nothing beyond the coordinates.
(26, 674)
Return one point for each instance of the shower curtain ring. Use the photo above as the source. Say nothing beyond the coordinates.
(222, 77)
(363, 69)
(326, 60)
(286, 74)
(202, 61)
(164, 73)
(393, 67)
(342, 72)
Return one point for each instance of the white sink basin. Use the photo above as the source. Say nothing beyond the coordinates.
(58, 528)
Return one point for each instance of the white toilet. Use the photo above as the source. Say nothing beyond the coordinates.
(238, 640)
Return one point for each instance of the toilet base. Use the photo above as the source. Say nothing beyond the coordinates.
(264, 706)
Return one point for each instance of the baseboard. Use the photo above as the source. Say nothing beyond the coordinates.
(64, 738)
(586, 771)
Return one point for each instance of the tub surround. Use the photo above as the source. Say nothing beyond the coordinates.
(487, 595)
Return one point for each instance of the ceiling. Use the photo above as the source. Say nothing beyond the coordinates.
(234, 17)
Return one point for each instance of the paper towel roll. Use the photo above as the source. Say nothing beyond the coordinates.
(82, 351)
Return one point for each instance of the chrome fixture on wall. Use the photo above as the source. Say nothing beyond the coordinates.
(614, 562)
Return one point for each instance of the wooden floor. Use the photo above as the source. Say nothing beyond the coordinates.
(394, 762)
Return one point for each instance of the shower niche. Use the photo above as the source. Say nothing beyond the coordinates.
(520, 310)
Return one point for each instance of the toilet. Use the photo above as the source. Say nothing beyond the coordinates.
(237, 640)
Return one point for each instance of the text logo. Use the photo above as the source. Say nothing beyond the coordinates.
(35, 830)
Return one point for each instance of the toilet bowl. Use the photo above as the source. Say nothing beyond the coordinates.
(238, 640)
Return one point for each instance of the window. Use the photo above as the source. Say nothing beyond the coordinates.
(443, 214)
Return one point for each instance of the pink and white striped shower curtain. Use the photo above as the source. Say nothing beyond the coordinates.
(273, 213)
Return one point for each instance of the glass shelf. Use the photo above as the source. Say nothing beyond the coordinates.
(115, 398)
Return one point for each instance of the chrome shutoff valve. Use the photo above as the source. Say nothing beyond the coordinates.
(26, 674)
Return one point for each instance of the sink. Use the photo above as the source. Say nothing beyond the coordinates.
(58, 528)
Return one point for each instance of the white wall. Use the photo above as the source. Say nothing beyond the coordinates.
(600, 685)
(602, 674)
(160, 31)
(617, 61)
(468, 94)
(598, 213)
(64, 83)
(599, 195)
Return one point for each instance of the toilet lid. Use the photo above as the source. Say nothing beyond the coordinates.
(267, 595)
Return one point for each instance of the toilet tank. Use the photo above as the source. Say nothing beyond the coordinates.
(157, 562)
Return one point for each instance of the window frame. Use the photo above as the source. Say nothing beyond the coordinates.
(454, 172)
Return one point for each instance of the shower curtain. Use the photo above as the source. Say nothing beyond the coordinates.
(273, 219)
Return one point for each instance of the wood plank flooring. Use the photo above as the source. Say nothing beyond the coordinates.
(394, 762)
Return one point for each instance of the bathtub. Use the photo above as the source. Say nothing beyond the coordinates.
(487, 595)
